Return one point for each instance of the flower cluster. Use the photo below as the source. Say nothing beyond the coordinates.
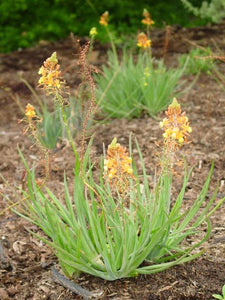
(176, 126)
(117, 166)
(30, 111)
(51, 79)
(93, 32)
(104, 19)
(147, 18)
(143, 41)
(146, 76)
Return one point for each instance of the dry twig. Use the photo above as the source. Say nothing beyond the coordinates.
(74, 287)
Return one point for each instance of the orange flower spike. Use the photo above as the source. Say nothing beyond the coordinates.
(147, 18)
(30, 111)
(176, 126)
(143, 41)
(50, 79)
(104, 19)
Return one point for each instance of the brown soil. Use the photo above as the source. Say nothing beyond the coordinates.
(25, 263)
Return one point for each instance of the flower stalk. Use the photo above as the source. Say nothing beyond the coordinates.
(52, 82)
(104, 21)
(32, 120)
(147, 20)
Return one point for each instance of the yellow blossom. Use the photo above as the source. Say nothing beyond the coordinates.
(181, 140)
(104, 19)
(176, 126)
(93, 32)
(146, 72)
(117, 166)
(30, 111)
(146, 76)
(143, 41)
(147, 18)
(51, 79)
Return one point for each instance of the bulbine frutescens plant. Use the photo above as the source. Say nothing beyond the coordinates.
(117, 226)
(50, 129)
(200, 60)
(137, 83)
(213, 10)
(136, 86)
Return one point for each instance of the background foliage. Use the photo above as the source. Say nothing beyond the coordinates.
(26, 22)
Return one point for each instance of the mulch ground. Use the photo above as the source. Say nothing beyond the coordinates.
(25, 263)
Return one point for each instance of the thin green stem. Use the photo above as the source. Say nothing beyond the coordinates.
(59, 100)
(112, 43)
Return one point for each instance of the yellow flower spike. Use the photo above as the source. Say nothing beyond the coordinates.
(93, 32)
(147, 18)
(117, 166)
(51, 79)
(104, 19)
(30, 111)
(176, 126)
(143, 41)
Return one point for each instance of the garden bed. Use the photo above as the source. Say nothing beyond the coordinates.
(25, 263)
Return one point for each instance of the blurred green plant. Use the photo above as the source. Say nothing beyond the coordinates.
(51, 129)
(24, 23)
(220, 297)
(213, 10)
(136, 84)
(200, 60)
